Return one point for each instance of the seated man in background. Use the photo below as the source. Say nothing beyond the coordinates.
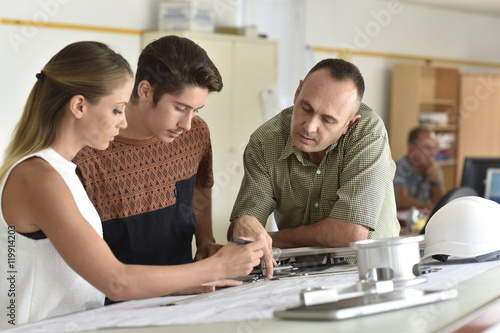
(323, 166)
(419, 179)
(152, 186)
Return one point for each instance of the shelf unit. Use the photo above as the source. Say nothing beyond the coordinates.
(479, 115)
(418, 89)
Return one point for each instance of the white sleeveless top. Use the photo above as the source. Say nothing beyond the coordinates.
(36, 283)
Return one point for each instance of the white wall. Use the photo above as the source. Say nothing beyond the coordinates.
(282, 20)
(373, 25)
(398, 27)
(24, 50)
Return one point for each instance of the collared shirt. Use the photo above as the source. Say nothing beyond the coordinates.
(353, 182)
(418, 186)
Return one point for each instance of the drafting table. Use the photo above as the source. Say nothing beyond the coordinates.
(478, 285)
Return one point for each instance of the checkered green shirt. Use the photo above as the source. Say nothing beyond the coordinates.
(353, 182)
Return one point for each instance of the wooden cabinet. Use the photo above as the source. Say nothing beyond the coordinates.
(248, 66)
(420, 93)
(479, 114)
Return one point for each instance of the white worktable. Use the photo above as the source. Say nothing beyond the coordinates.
(474, 291)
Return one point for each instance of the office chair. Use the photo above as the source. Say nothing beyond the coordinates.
(455, 193)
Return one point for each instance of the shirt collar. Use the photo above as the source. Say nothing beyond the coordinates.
(291, 149)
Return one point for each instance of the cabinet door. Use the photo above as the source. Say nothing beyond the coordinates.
(247, 67)
(217, 109)
(254, 70)
(404, 107)
(478, 134)
(418, 90)
(217, 112)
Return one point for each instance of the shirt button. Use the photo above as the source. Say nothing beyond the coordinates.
(316, 205)
(318, 172)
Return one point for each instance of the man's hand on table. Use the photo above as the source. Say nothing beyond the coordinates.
(249, 226)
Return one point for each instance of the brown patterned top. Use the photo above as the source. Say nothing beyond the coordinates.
(132, 177)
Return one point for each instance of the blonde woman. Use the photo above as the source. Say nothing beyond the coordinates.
(53, 258)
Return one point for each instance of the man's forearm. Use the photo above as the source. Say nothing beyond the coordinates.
(204, 235)
(437, 193)
(405, 201)
(328, 232)
(202, 207)
(410, 202)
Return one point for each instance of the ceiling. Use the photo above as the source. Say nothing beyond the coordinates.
(490, 7)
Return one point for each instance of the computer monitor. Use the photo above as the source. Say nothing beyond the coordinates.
(492, 186)
(474, 173)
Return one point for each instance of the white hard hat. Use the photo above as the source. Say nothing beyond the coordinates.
(466, 227)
